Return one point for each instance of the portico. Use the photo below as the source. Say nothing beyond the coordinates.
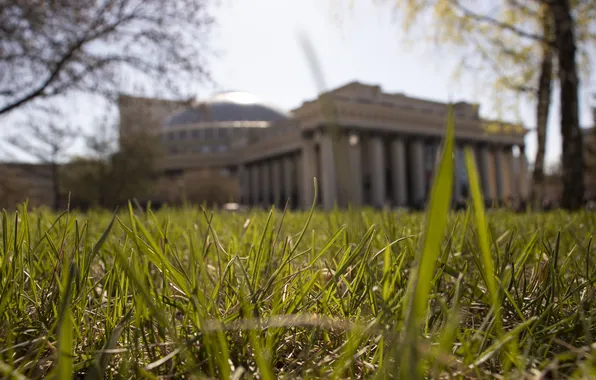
(380, 150)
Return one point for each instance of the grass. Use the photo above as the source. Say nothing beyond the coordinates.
(189, 293)
(242, 295)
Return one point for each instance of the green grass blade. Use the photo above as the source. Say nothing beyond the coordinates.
(420, 282)
(482, 228)
(65, 327)
(10, 373)
(103, 358)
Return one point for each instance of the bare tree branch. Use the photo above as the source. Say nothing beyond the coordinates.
(48, 142)
(500, 24)
(51, 48)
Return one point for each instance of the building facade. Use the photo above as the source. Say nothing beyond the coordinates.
(20, 182)
(364, 146)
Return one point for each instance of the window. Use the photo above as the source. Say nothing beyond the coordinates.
(205, 149)
(195, 133)
(182, 135)
(209, 133)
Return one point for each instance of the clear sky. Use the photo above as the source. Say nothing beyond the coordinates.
(258, 52)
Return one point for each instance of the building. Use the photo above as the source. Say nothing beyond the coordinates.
(364, 146)
(20, 182)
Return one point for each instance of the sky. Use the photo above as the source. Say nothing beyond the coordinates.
(358, 40)
(355, 40)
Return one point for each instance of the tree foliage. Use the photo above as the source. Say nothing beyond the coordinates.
(53, 47)
(13, 188)
(499, 41)
(25, 182)
(109, 179)
(207, 186)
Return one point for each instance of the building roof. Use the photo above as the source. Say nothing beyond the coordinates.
(227, 106)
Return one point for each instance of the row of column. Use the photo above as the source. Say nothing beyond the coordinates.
(270, 182)
(503, 177)
(375, 170)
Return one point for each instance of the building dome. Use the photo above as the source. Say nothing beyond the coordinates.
(233, 106)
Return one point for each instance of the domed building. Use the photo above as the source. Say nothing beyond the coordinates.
(217, 124)
(364, 146)
(203, 141)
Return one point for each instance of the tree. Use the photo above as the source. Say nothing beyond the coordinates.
(542, 107)
(512, 40)
(13, 189)
(51, 48)
(590, 157)
(573, 157)
(198, 186)
(113, 175)
(134, 167)
(48, 142)
(81, 178)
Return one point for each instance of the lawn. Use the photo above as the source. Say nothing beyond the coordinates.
(182, 293)
(268, 295)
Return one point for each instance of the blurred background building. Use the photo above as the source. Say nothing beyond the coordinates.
(364, 146)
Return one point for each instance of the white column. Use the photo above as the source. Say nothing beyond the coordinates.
(266, 182)
(288, 178)
(255, 182)
(328, 172)
(508, 172)
(342, 172)
(499, 166)
(417, 165)
(276, 182)
(398, 172)
(483, 168)
(356, 178)
(377, 171)
(308, 158)
(492, 176)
